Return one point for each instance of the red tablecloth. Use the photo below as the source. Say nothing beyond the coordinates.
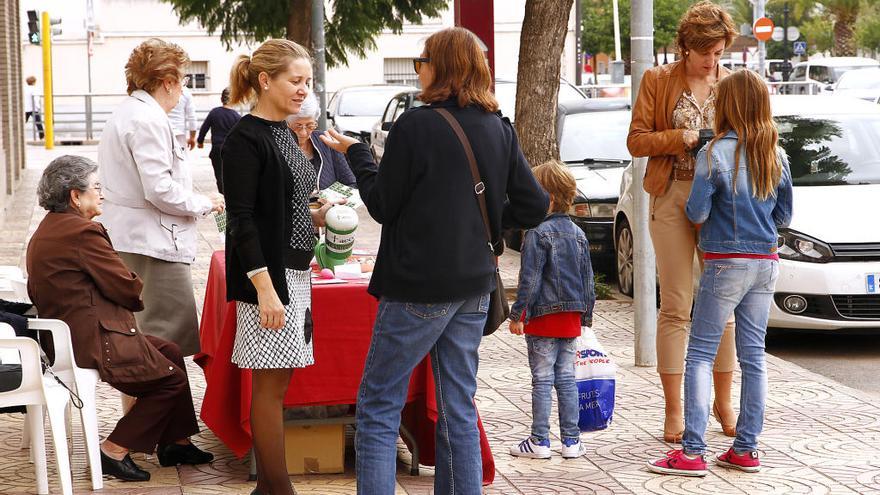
(343, 315)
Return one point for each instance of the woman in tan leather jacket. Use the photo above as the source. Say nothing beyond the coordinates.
(675, 101)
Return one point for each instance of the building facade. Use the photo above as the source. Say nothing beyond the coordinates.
(11, 103)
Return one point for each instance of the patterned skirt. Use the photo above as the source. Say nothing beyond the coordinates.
(289, 347)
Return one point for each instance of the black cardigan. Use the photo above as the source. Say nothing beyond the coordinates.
(258, 190)
(433, 245)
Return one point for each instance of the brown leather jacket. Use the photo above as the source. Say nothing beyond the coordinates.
(76, 276)
(651, 132)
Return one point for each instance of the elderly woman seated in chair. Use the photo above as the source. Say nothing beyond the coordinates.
(75, 275)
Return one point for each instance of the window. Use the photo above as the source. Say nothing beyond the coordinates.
(198, 75)
(400, 71)
(820, 73)
(798, 74)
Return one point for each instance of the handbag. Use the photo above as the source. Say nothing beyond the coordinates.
(499, 309)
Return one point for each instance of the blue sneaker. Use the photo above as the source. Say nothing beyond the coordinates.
(572, 448)
(528, 448)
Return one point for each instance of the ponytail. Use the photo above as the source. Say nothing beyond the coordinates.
(240, 87)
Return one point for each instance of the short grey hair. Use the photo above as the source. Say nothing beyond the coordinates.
(310, 109)
(62, 175)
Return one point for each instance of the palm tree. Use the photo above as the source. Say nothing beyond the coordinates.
(844, 13)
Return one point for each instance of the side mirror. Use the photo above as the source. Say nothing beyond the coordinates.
(330, 116)
(386, 126)
(829, 87)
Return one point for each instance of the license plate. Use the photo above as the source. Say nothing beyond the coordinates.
(872, 281)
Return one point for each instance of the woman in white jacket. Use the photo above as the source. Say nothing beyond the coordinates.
(150, 209)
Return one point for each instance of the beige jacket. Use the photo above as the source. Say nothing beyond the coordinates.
(651, 132)
(150, 207)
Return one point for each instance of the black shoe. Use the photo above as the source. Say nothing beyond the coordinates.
(125, 470)
(172, 455)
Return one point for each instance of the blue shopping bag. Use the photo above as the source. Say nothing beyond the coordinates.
(594, 373)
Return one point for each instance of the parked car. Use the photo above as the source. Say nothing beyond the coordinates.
(353, 110)
(505, 93)
(818, 76)
(592, 142)
(861, 83)
(829, 269)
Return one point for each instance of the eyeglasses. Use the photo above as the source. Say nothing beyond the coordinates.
(417, 63)
(97, 187)
(303, 127)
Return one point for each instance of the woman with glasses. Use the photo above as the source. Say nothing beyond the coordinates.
(330, 165)
(151, 209)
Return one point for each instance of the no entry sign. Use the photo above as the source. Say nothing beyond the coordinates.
(763, 29)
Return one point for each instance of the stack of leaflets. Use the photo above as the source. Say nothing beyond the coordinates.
(338, 191)
(220, 218)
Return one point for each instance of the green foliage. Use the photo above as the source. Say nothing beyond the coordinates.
(603, 290)
(818, 33)
(868, 26)
(351, 28)
(598, 24)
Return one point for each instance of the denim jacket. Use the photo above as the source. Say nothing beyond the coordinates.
(555, 273)
(736, 222)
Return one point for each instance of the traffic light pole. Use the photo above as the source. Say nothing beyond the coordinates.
(48, 107)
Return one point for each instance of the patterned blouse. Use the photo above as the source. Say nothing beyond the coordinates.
(302, 238)
(688, 114)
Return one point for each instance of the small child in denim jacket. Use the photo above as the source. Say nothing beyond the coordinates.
(555, 298)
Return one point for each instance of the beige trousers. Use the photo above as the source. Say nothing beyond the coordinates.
(675, 244)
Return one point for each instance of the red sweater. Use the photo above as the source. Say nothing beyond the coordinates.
(559, 325)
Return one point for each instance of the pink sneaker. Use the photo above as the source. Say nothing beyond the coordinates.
(747, 461)
(676, 462)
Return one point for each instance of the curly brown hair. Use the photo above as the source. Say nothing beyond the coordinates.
(153, 62)
(704, 25)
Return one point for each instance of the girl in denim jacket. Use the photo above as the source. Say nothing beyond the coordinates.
(742, 192)
(555, 297)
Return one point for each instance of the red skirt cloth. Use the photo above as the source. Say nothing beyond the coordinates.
(559, 325)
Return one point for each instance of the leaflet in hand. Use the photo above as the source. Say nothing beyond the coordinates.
(220, 218)
(338, 191)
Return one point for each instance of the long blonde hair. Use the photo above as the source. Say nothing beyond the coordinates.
(742, 105)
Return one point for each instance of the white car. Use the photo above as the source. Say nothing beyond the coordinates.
(829, 269)
(354, 109)
(861, 83)
(819, 75)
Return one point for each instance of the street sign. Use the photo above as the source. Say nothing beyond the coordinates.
(793, 33)
(763, 29)
(800, 47)
(778, 34)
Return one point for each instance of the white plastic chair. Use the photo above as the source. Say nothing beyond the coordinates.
(37, 392)
(81, 380)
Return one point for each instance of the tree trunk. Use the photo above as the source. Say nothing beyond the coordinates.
(537, 90)
(299, 23)
(844, 35)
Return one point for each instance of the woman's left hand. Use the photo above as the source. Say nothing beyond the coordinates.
(337, 141)
(319, 215)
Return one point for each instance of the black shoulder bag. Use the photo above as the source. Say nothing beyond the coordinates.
(499, 310)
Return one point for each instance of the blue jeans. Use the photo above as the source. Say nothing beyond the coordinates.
(552, 363)
(403, 334)
(743, 287)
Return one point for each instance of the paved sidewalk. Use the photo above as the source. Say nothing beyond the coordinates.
(820, 437)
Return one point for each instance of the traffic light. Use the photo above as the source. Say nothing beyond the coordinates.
(33, 27)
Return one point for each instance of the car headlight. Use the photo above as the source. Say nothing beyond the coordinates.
(585, 209)
(799, 247)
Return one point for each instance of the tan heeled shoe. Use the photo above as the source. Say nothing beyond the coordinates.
(673, 433)
(729, 429)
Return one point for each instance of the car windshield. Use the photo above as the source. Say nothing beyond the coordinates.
(838, 71)
(595, 135)
(365, 103)
(861, 79)
(833, 149)
(505, 93)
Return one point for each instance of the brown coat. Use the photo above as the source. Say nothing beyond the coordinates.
(76, 276)
(651, 132)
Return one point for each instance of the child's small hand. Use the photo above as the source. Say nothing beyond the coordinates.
(516, 327)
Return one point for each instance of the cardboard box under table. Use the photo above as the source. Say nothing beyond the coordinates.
(312, 447)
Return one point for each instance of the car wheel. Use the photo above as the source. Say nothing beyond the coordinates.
(625, 258)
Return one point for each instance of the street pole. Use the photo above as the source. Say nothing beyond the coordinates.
(48, 107)
(644, 270)
(785, 55)
(762, 46)
(617, 64)
(320, 60)
(578, 53)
